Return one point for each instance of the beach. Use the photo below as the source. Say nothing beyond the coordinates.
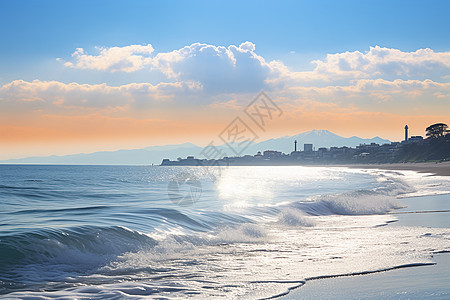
(430, 282)
(436, 168)
(418, 282)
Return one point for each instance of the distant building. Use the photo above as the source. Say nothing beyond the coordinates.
(322, 152)
(308, 147)
(271, 153)
(406, 133)
(368, 147)
(296, 155)
(415, 139)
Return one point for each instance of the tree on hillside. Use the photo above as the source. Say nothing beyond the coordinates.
(437, 130)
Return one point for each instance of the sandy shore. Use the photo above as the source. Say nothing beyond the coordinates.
(405, 283)
(441, 169)
(422, 282)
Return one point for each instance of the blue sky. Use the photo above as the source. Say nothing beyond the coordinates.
(35, 32)
(80, 76)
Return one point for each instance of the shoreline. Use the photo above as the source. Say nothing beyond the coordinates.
(438, 168)
(435, 168)
(404, 282)
(416, 281)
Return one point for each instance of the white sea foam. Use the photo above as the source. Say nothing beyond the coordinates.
(229, 266)
(351, 203)
(295, 217)
(245, 233)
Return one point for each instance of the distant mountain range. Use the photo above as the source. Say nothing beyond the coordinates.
(155, 154)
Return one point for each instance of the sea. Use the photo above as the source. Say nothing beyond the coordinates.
(121, 232)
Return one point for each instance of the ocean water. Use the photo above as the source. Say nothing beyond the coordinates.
(177, 232)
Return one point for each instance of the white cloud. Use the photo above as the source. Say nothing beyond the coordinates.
(383, 62)
(370, 85)
(238, 69)
(370, 91)
(126, 59)
(54, 93)
(218, 74)
(219, 69)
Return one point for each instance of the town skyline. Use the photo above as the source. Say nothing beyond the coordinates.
(416, 148)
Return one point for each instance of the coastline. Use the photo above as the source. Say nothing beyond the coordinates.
(406, 282)
(438, 168)
(413, 282)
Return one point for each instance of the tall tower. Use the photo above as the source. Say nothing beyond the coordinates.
(295, 146)
(406, 133)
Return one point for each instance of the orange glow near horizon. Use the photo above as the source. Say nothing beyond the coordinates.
(60, 135)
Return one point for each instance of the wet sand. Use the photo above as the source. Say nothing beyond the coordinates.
(424, 282)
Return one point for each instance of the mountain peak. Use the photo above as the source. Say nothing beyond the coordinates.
(315, 132)
(320, 131)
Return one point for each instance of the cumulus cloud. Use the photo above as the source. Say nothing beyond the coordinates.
(239, 69)
(91, 95)
(379, 62)
(126, 59)
(367, 86)
(217, 68)
(218, 73)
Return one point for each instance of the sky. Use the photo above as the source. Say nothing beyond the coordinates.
(85, 76)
